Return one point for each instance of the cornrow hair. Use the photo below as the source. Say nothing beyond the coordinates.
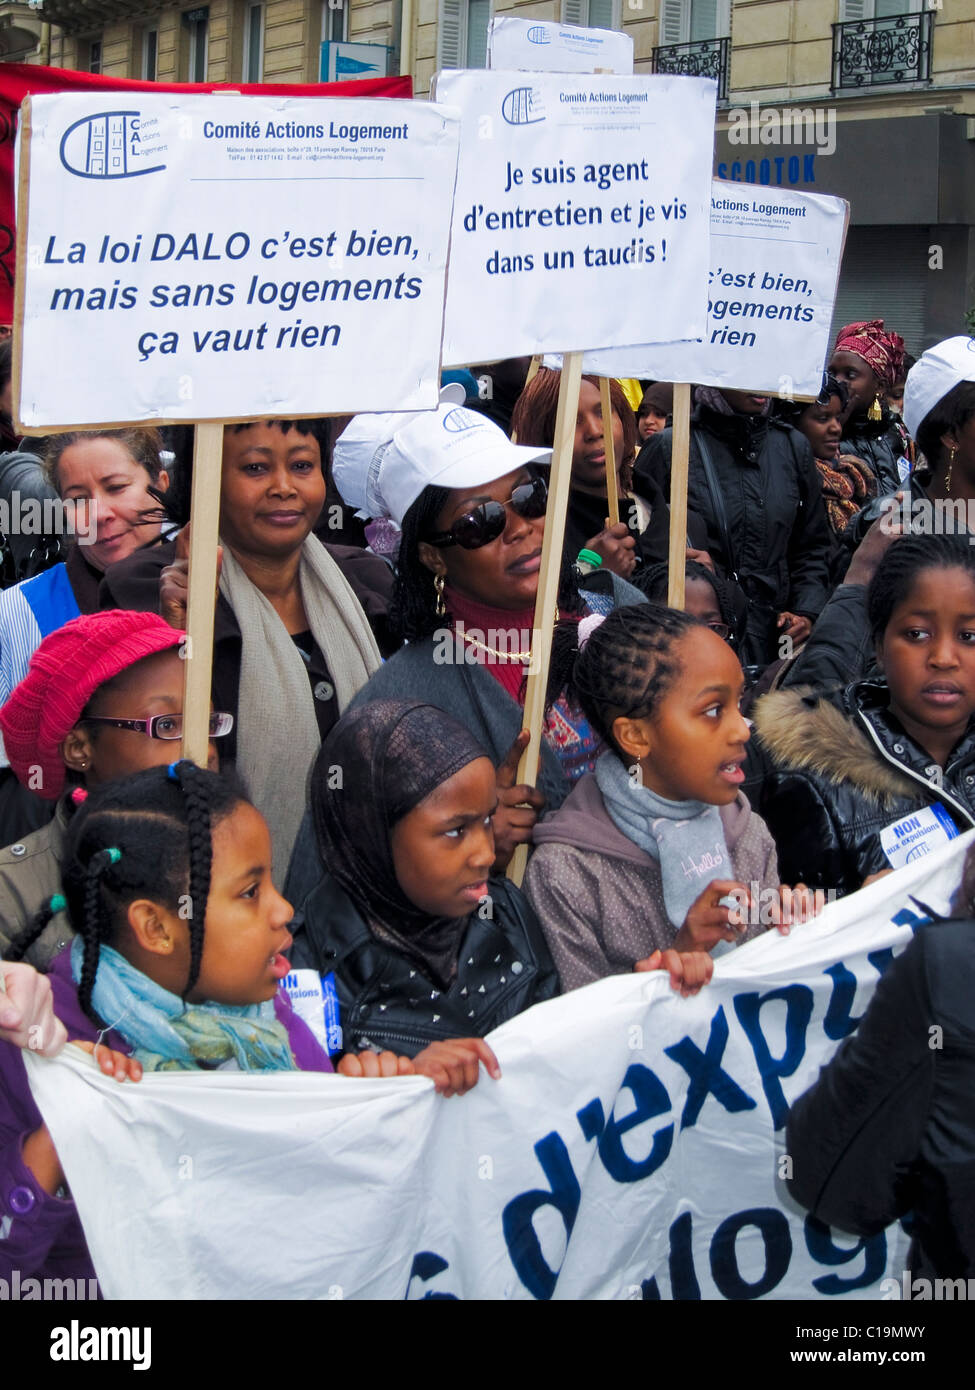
(25, 939)
(148, 835)
(628, 664)
(897, 572)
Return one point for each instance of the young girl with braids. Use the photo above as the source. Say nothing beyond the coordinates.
(883, 771)
(176, 966)
(656, 851)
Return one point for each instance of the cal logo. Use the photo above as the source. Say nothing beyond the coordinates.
(456, 421)
(538, 34)
(106, 146)
(523, 106)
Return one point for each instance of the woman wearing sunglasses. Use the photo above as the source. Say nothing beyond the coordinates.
(103, 698)
(472, 512)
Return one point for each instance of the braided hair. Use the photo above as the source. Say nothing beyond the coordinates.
(148, 835)
(627, 666)
(897, 572)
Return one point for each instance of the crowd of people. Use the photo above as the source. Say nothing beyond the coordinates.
(374, 626)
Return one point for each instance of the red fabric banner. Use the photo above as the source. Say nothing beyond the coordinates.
(18, 80)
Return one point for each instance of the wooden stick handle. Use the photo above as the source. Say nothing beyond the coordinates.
(609, 445)
(679, 455)
(205, 514)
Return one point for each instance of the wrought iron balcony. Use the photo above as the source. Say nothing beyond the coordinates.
(705, 58)
(882, 52)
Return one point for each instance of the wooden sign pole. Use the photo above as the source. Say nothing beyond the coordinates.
(679, 455)
(201, 600)
(546, 600)
(609, 445)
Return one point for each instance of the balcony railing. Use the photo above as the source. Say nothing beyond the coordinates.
(705, 58)
(882, 52)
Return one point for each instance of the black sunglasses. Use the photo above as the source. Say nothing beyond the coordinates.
(487, 522)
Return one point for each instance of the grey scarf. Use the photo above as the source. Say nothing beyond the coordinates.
(686, 837)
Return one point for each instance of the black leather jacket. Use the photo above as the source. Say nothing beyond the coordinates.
(842, 770)
(385, 1001)
(889, 1126)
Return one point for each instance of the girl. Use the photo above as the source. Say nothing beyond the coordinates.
(103, 698)
(106, 475)
(423, 943)
(848, 482)
(644, 853)
(868, 361)
(715, 601)
(876, 774)
(167, 987)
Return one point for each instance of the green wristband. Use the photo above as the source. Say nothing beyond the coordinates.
(589, 557)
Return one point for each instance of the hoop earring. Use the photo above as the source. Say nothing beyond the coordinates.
(951, 459)
(438, 584)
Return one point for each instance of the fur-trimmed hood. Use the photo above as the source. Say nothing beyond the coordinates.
(803, 730)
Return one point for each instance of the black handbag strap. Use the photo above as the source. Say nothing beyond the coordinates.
(714, 488)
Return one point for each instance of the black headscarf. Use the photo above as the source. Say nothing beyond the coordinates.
(392, 754)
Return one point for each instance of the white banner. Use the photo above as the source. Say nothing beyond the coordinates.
(581, 212)
(631, 1148)
(775, 263)
(537, 45)
(223, 257)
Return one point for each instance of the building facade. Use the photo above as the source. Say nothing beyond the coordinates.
(871, 100)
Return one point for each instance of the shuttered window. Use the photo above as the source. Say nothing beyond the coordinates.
(592, 14)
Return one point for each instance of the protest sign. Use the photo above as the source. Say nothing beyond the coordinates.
(18, 80)
(775, 262)
(233, 259)
(631, 1148)
(533, 45)
(581, 212)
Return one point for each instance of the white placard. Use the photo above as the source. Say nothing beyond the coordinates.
(631, 1149)
(535, 45)
(775, 263)
(581, 212)
(222, 257)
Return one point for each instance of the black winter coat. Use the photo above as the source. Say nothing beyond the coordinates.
(843, 770)
(889, 1127)
(774, 535)
(386, 1001)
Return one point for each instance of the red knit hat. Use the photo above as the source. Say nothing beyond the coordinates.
(64, 673)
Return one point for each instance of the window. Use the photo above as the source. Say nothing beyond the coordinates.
(150, 49)
(253, 69)
(462, 33)
(592, 14)
(197, 22)
(335, 21)
(693, 21)
(852, 10)
(95, 55)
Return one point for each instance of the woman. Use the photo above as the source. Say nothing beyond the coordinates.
(848, 482)
(72, 724)
(291, 637)
(641, 536)
(888, 1128)
(424, 947)
(754, 482)
(868, 361)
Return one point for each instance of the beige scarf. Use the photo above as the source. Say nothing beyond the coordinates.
(277, 731)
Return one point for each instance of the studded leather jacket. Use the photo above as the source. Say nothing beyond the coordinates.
(386, 1000)
(843, 769)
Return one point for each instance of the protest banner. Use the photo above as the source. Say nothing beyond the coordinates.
(163, 242)
(18, 80)
(166, 244)
(775, 262)
(532, 45)
(633, 1147)
(581, 212)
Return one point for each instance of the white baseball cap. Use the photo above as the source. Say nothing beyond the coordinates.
(450, 447)
(934, 374)
(360, 447)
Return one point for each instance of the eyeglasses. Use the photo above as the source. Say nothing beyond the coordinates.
(166, 726)
(487, 522)
(722, 629)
